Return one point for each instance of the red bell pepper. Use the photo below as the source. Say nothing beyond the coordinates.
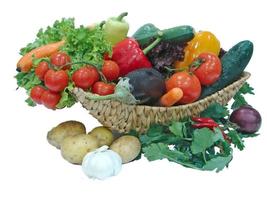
(128, 55)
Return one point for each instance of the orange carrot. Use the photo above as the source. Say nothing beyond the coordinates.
(171, 97)
(25, 63)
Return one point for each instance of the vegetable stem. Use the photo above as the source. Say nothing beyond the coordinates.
(204, 157)
(187, 139)
(98, 97)
(102, 24)
(153, 44)
(75, 63)
(122, 15)
(196, 63)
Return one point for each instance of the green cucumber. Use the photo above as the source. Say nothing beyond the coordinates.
(148, 31)
(234, 63)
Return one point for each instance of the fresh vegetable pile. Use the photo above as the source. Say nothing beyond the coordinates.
(154, 67)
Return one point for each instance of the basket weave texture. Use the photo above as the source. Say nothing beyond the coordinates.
(123, 118)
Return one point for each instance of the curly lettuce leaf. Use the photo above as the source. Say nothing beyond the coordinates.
(67, 98)
(27, 80)
(58, 31)
(86, 45)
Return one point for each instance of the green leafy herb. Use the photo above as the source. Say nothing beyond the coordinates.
(161, 150)
(239, 99)
(30, 102)
(67, 99)
(218, 163)
(202, 139)
(215, 111)
(54, 33)
(27, 80)
(236, 139)
(178, 129)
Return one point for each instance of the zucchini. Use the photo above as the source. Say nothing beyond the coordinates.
(234, 63)
(147, 32)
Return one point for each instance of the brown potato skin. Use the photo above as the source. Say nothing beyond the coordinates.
(74, 148)
(68, 128)
(128, 147)
(103, 135)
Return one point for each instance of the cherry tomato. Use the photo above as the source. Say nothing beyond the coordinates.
(41, 70)
(204, 41)
(102, 88)
(50, 99)
(85, 77)
(209, 71)
(59, 59)
(56, 81)
(189, 84)
(36, 93)
(111, 70)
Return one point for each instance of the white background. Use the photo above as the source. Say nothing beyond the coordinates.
(32, 169)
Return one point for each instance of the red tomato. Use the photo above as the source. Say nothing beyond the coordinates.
(102, 88)
(59, 59)
(189, 84)
(36, 93)
(56, 81)
(209, 71)
(41, 70)
(50, 99)
(85, 77)
(111, 70)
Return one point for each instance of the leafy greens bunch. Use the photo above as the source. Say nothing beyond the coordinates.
(203, 148)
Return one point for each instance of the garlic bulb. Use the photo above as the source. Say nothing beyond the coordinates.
(101, 163)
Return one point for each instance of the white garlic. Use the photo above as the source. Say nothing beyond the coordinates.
(101, 163)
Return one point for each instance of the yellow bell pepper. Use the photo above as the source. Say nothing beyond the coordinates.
(204, 41)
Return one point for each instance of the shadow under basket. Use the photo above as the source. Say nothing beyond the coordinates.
(122, 117)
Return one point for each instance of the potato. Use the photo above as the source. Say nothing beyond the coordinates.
(103, 135)
(128, 147)
(74, 148)
(69, 128)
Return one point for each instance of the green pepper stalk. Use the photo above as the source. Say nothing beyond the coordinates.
(116, 29)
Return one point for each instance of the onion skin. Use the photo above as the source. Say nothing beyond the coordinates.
(247, 118)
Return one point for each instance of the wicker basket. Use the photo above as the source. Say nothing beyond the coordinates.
(122, 117)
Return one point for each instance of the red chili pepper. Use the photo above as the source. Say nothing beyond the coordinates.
(210, 125)
(203, 119)
(128, 55)
(225, 136)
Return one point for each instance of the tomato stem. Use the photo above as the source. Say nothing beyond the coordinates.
(79, 62)
(195, 64)
(175, 70)
(103, 78)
